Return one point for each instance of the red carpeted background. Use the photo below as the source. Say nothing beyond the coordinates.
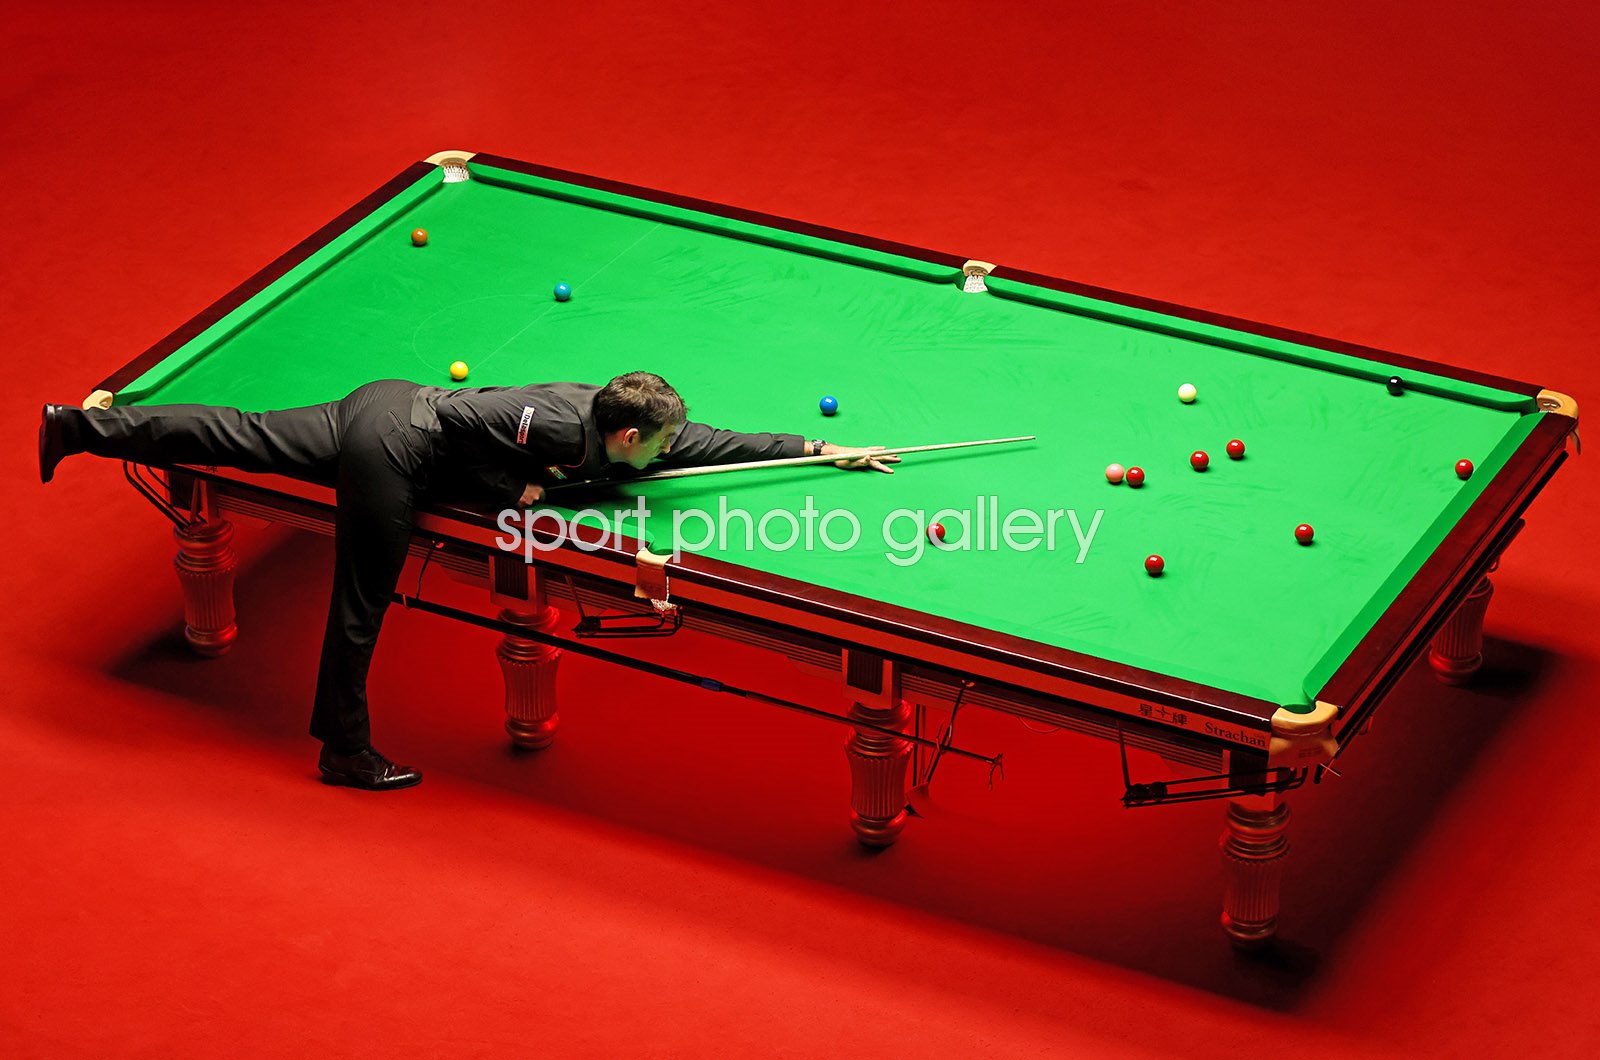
(676, 876)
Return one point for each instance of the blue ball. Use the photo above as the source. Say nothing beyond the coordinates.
(563, 292)
(829, 405)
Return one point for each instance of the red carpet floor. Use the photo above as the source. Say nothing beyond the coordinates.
(676, 877)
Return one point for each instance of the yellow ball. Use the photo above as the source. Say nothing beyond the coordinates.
(458, 371)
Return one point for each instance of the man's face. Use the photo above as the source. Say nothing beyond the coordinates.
(643, 450)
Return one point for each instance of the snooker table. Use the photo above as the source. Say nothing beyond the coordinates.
(1249, 664)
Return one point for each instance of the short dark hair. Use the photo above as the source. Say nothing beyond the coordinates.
(638, 399)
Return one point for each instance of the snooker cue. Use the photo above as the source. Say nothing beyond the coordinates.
(788, 461)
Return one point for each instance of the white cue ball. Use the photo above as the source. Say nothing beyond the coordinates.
(1187, 393)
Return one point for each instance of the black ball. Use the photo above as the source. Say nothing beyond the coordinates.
(1396, 385)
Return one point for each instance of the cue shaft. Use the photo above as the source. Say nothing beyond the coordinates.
(792, 461)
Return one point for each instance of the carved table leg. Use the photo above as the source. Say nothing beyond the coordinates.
(1457, 651)
(878, 774)
(205, 564)
(529, 669)
(1254, 843)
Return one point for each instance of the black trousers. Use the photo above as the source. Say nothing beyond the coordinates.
(365, 447)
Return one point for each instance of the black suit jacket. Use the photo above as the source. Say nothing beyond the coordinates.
(497, 440)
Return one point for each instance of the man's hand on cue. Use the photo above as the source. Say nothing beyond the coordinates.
(863, 463)
(531, 495)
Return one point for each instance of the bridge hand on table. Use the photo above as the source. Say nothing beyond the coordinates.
(863, 463)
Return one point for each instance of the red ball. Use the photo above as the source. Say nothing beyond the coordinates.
(419, 237)
(1236, 449)
(1199, 460)
(1134, 477)
(1154, 565)
(1463, 469)
(1303, 533)
(936, 532)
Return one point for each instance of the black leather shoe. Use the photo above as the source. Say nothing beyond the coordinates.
(365, 769)
(53, 442)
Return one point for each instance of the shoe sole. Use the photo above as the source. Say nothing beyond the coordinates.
(45, 473)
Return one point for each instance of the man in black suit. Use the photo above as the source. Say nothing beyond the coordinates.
(391, 446)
